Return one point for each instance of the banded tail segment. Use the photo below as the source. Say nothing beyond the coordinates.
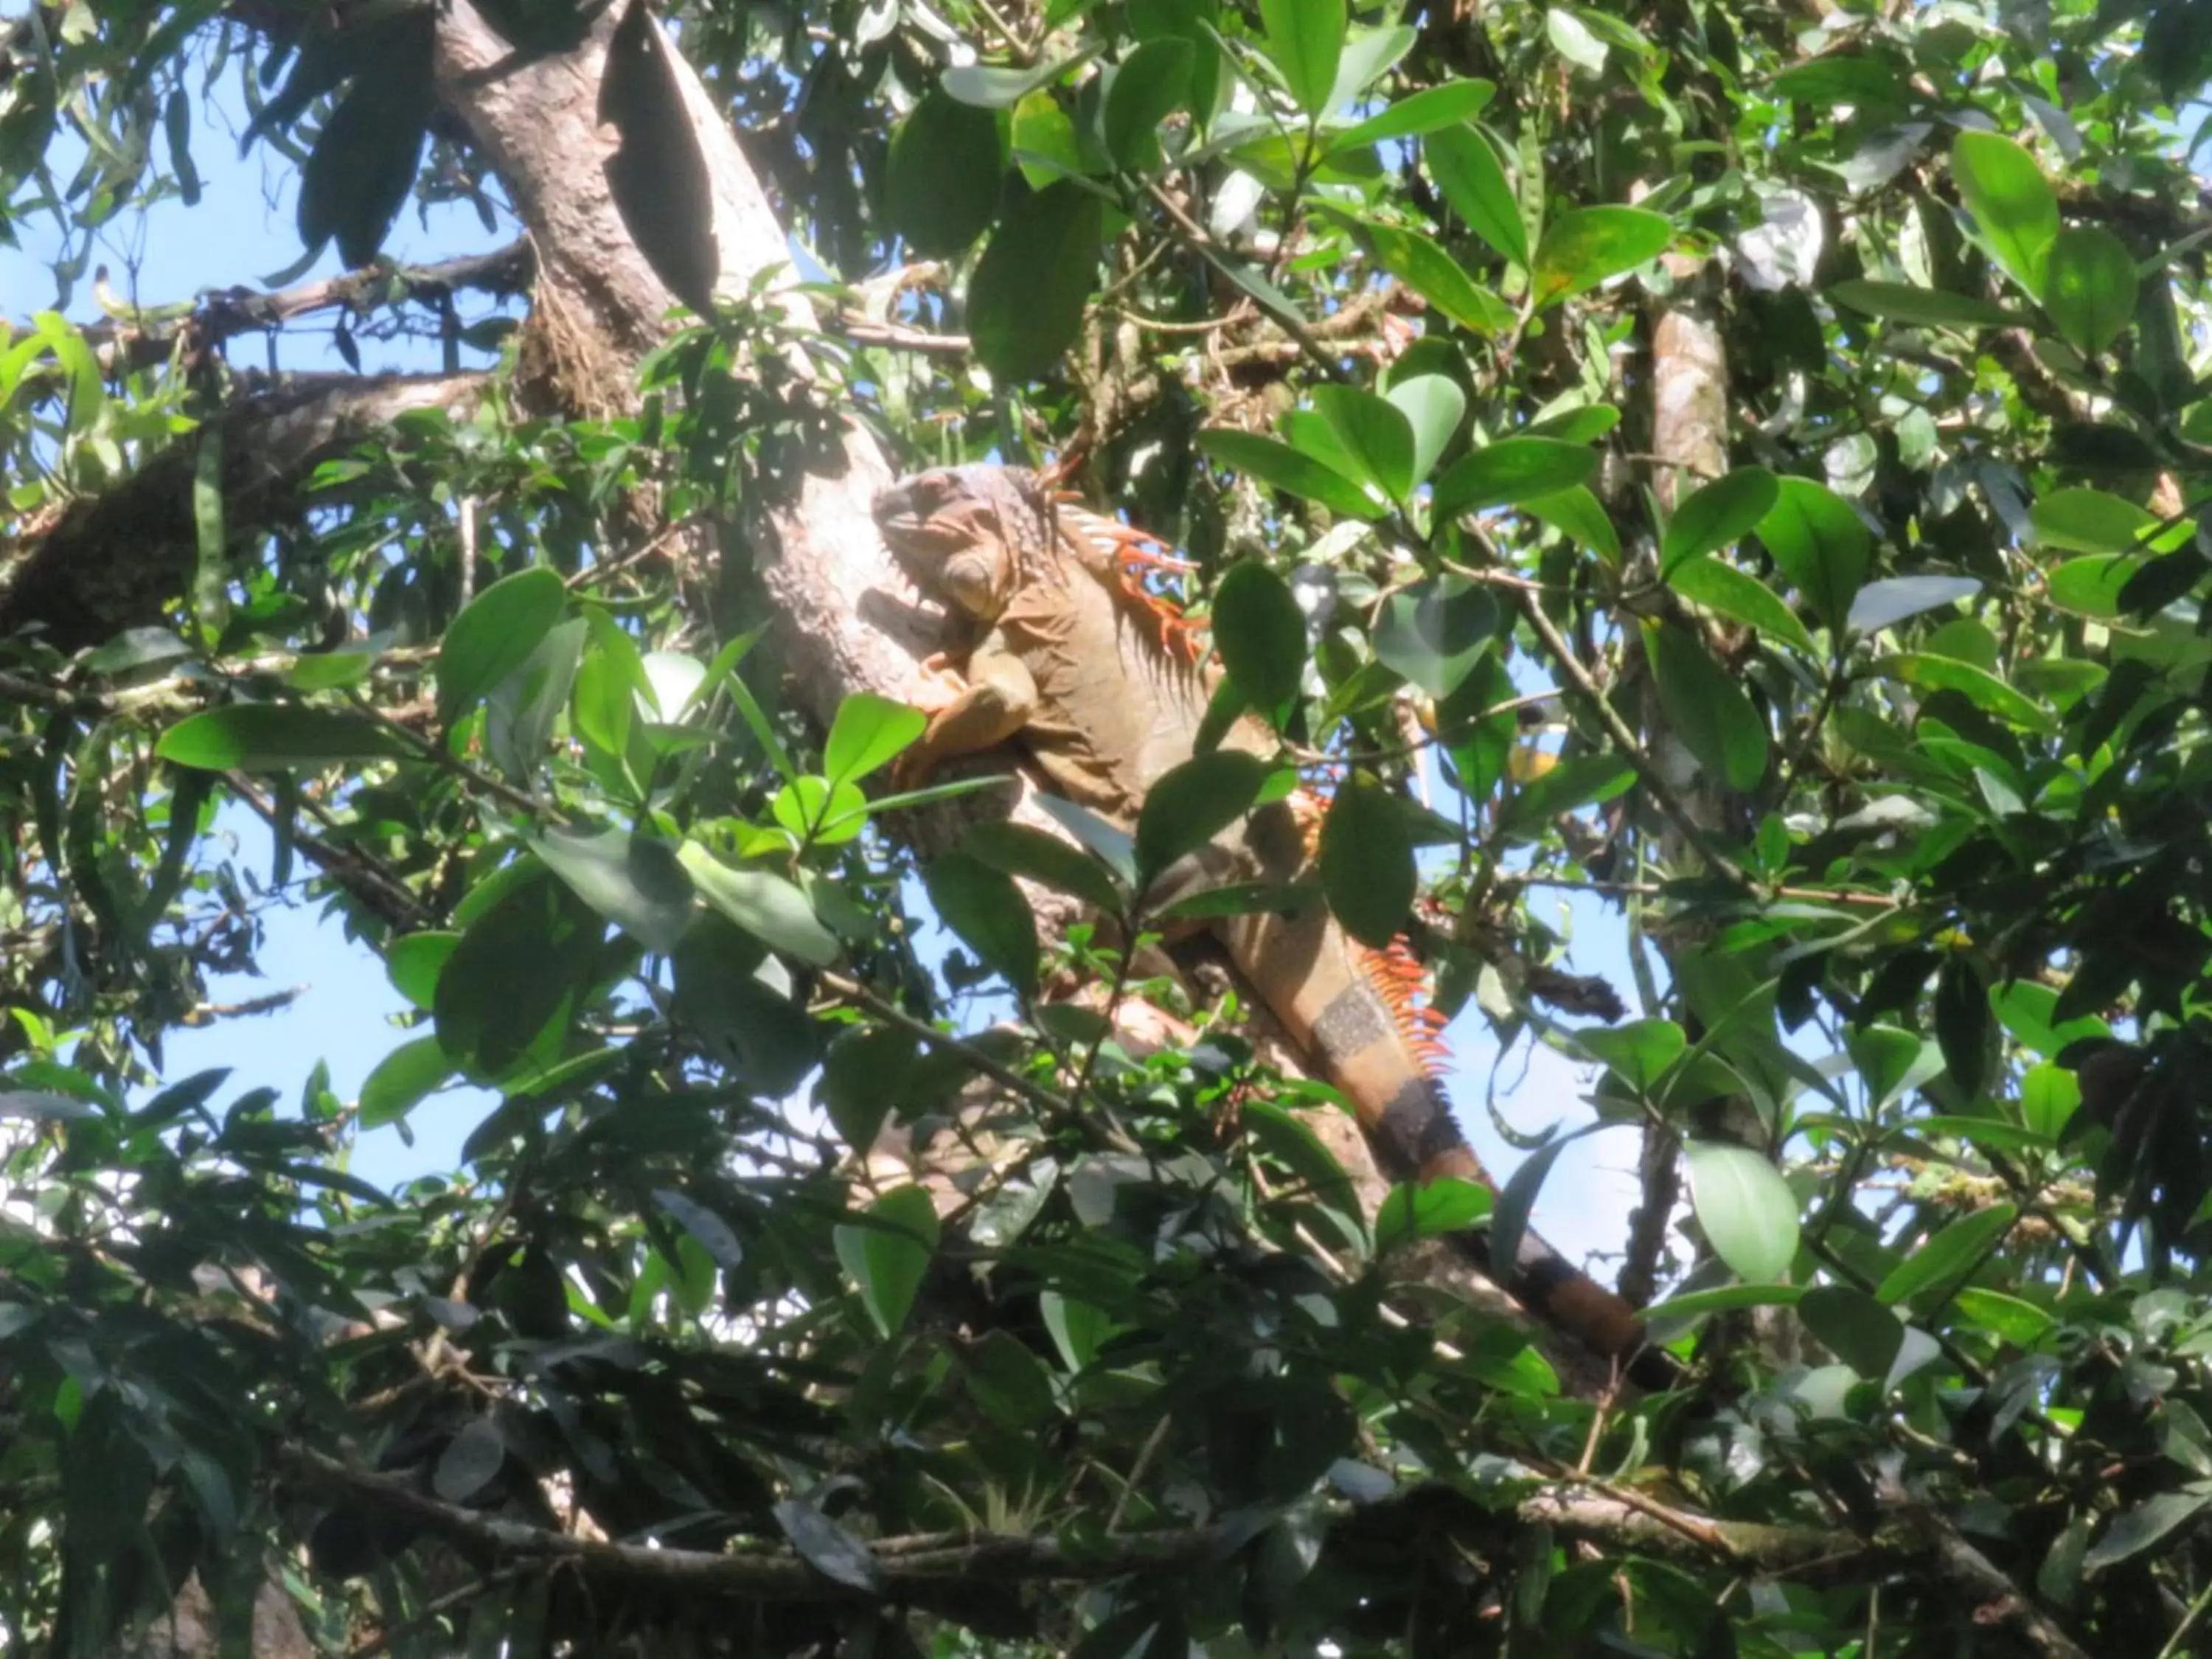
(1356, 1012)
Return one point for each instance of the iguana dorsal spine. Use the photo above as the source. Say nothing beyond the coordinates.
(1101, 683)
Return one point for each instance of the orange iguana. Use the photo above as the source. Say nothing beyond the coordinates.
(1104, 688)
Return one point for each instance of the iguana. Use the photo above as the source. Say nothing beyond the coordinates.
(1104, 686)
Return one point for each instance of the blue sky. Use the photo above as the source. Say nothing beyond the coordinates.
(242, 231)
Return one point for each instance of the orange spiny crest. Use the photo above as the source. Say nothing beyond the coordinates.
(1401, 981)
(1135, 556)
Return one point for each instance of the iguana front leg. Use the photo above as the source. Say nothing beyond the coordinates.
(998, 700)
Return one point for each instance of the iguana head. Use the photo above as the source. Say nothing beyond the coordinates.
(960, 532)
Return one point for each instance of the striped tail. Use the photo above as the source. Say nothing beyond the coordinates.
(1356, 1012)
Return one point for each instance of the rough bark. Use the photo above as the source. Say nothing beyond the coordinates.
(116, 560)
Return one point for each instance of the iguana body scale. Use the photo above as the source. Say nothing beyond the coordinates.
(1105, 689)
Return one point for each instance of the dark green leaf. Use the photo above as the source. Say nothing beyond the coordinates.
(1242, 898)
(1579, 516)
(1414, 1212)
(1638, 1053)
(1946, 1256)
(2089, 288)
(765, 904)
(888, 1259)
(364, 162)
(636, 882)
(272, 737)
(1374, 432)
(1926, 307)
(1510, 472)
(831, 1550)
(1739, 597)
(1717, 514)
(1978, 686)
(1585, 247)
(1433, 406)
(1367, 861)
(1963, 1024)
(1859, 1330)
(471, 1460)
(1707, 706)
(1150, 85)
(2021, 1323)
(1426, 111)
(2136, 1529)
(1025, 300)
(941, 183)
(989, 88)
(988, 912)
(1281, 467)
(1468, 172)
(1435, 632)
(1021, 851)
(1821, 545)
(1195, 802)
(1423, 265)
(1261, 637)
(2013, 206)
(1305, 39)
(401, 1079)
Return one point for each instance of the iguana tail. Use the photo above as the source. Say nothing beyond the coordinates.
(1354, 1010)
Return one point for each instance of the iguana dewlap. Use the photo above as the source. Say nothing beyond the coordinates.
(1104, 689)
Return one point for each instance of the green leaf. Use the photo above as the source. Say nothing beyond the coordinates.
(1191, 804)
(1367, 861)
(1434, 632)
(2021, 1323)
(1894, 598)
(1859, 1330)
(941, 181)
(2135, 1530)
(1508, 1222)
(1584, 247)
(1708, 706)
(2089, 521)
(1578, 514)
(1242, 898)
(2048, 1098)
(495, 635)
(1368, 54)
(521, 710)
(1261, 637)
(507, 995)
(888, 1255)
(1433, 406)
(2029, 1011)
(1963, 1024)
(2093, 585)
(402, 1079)
(635, 881)
(1977, 685)
(1579, 782)
(989, 88)
(1150, 85)
(275, 737)
(211, 575)
(1745, 1208)
(1077, 1329)
(1572, 38)
(1025, 300)
(1305, 39)
(1922, 307)
(1718, 514)
(365, 159)
(414, 963)
(1376, 434)
(1423, 265)
(868, 732)
(983, 907)
(766, 905)
(1414, 1210)
(2089, 288)
(1821, 542)
(1739, 597)
(1045, 146)
(1949, 1255)
(1510, 472)
(1419, 112)
(1281, 467)
(1638, 1053)
(1468, 172)
(2013, 206)
(1021, 851)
